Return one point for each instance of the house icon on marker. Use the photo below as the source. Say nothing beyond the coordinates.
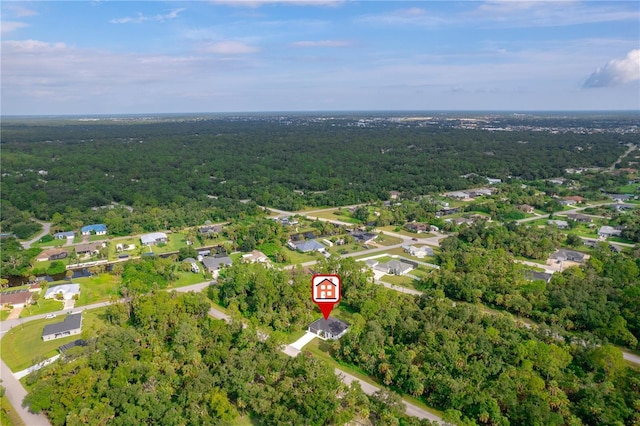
(326, 289)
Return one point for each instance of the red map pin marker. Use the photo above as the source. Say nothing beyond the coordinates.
(325, 292)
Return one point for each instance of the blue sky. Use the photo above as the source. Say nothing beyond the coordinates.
(118, 57)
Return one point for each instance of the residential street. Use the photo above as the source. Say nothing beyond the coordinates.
(46, 227)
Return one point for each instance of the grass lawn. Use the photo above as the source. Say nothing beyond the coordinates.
(54, 243)
(8, 416)
(346, 248)
(244, 421)
(331, 214)
(4, 313)
(402, 231)
(187, 278)
(388, 240)
(620, 240)
(399, 280)
(42, 307)
(296, 257)
(23, 343)
(422, 272)
(291, 338)
(98, 288)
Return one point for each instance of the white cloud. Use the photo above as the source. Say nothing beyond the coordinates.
(8, 26)
(258, 3)
(140, 18)
(20, 11)
(616, 72)
(229, 48)
(322, 43)
(414, 16)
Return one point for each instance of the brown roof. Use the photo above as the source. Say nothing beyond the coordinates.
(576, 198)
(15, 297)
(81, 248)
(46, 254)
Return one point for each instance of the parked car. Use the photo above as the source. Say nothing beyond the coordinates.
(49, 316)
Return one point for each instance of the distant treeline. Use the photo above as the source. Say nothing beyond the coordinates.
(48, 167)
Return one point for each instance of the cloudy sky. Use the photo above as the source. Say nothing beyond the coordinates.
(108, 57)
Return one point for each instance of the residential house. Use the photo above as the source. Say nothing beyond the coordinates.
(561, 224)
(419, 252)
(364, 237)
(213, 264)
(394, 267)
(460, 220)
(535, 276)
(567, 202)
(525, 208)
(153, 238)
(459, 195)
(609, 231)
(89, 249)
(66, 291)
(306, 246)
(557, 181)
(97, 229)
(563, 255)
(210, 230)
(417, 227)
(329, 329)
(623, 206)
(16, 298)
(620, 198)
(394, 195)
(69, 235)
(578, 217)
(493, 181)
(255, 257)
(52, 254)
(71, 325)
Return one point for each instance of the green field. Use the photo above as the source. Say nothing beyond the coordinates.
(4, 313)
(399, 280)
(388, 240)
(97, 288)
(187, 278)
(42, 307)
(23, 343)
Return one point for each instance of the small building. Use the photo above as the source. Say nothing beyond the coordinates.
(194, 266)
(153, 238)
(329, 329)
(536, 276)
(581, 218)
(394, 195)
(563, 255)
(17, 299)
(394, 267)
(255, 257)
(561, 224)
(419, 252)
(210, 230)
(308, 246)
(71, 325)
(213, 264)
(97, 229)
(493, 181)
(69, 235)
(89, 249)
(525, 208)
(417, 227)
(364, 237)
(67, 291)
(609, 231)
(52, 254)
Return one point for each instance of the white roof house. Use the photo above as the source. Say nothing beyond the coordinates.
(608, 231)
(66, 290)
(153, 238)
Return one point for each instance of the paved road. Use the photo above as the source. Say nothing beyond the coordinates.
(46, 228)
(16, 393)
(631, 148)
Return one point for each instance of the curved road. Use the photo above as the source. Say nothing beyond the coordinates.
(46, 228)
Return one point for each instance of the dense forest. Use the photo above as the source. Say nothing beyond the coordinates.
(163, 360)
(477, 367)
(184, 168)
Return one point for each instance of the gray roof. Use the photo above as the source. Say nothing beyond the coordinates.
(332, 325)
(309, 245)
(564, 254)
(534, 275)
(71, 322)
(214, 263)
(153, 237)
